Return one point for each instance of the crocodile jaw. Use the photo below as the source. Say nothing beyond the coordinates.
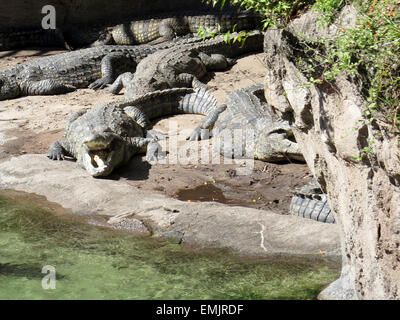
(101, 153)
(97, 164)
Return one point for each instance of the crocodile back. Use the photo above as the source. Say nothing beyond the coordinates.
(230, 49)
(81, 67)
(226, 21)
(249, 126)
(147, 30)
(246, 107)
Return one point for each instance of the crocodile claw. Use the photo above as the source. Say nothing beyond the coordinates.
(56, 152)
(156, 135)
(153, 152)
(99, 84)
(199, 134)
(231, 62)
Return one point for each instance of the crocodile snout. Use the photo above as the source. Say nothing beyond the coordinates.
(99, 141)
(100, 154)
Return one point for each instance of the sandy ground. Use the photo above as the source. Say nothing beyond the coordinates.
(29, 125)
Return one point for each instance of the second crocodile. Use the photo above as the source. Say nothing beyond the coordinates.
(141, 30)
(165, 28)
(106, 137)
(185, 65)
(248, 128)
(61, 73)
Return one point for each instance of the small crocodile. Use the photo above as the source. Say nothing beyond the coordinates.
(310, 202)
(185, 65)
(94, 67)
(158, 29)
(249, 128)
(106, 137)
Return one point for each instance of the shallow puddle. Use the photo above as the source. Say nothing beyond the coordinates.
(219, 192)
(204, 192)
(93, 262)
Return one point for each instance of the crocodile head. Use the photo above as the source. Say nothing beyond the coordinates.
(101, 153)
(8, 89)
(277, 145)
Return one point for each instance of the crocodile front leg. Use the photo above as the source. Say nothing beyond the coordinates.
(57, 151)
(147, 145)
(122, 81)
(204, 130)
(167, 30)
(111, 66)
(216, 62)
(187, 80)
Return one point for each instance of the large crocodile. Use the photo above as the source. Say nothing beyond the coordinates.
(107, 136)
(94, 67)
(185, 65)
(249, 128)
(164, 28)
(141, 30)
(265, 137)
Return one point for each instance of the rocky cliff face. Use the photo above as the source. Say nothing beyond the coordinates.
(365, 195)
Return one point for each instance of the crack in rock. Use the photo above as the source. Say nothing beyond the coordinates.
(187, 229)
(262, 237)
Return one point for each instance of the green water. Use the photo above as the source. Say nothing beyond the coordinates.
(97, 263)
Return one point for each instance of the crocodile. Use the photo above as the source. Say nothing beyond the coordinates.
(310, 202)
(185, 65)
(158, 29)
(107, 136)
(141, 30)
(61, 73)
(271, 140)
(249, 128)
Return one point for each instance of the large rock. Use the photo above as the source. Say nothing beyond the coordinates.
(244, 230)
(364, 195)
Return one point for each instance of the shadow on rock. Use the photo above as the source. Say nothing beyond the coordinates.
(136, 169)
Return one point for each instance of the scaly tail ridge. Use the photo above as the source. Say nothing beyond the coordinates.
(200, 102)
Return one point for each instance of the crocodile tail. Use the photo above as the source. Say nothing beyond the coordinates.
(158, 94)
(200, 102)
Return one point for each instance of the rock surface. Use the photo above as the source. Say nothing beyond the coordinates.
(140, 195)
(244, 230)
(365, 195)
(29, 125)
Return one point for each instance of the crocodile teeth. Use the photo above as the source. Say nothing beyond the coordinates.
(99, 161)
